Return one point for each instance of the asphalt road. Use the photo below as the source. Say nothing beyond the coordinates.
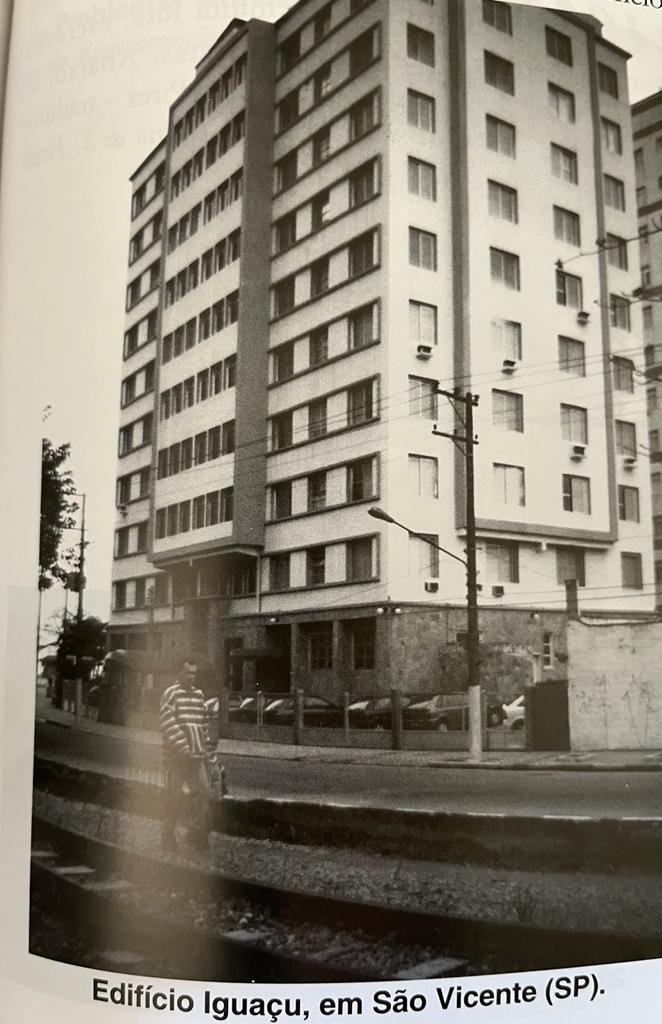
(596, 794)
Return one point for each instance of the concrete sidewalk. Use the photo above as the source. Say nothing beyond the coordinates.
(509, 760)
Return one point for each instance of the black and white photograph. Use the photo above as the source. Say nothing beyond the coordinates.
(345, 344)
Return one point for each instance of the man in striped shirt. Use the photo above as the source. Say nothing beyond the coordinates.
(186, 748)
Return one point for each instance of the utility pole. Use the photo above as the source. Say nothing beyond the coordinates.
(465, 444)
(78, 705)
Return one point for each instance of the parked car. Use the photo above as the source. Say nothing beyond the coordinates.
(316, 712)
(431, 713)
(246, 711)
(377, 713)
(514, 713)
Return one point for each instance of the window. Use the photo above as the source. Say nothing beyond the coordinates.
(320, 646)
(423, 398)
(286, 171)
(317, 491)
(318, 346)
(574, 424)
(500, 136)
(607, 80)
(422, 178)
(626, 438)
(361, 51)
(361, 479)
(362, 254)
(281, 431)
(363, 643)
(566, 226)
(284, 293)
(498, 15)
(639, 165)
(317, 423)
(420, 110)
(641, 196)
(320, 209)
(504, 268)
(423, 556)
(619, 310)
(507, 336)
(499, 73)
(611, 136)
(360, 405)
(508, 484)
(561, 103)
(281, 500)
(228, 437)
(571, 357)
(645, 276)
(502, 562)
(507, 411)
(212, 509)
(319, 277)
(322, 82)
(576, 494)
(617, 253)
(422, 249)
(321, 145)
(570, 565)
(288, 110)
(230, 371)
(359, 559)
(623, 373)
(631, 571)
(558, 45)
(654, 441)
(502, 201)
(362, 184)
(547, 650)
(614, 192)
(315, 566)
(564, 164)
(362, 327)
(628, 504)
(283, 362)
(285, 232)
(290, 51)
(423, 476)
(568, 290)
(279, 572)
(422, 323)
(227, 504)
(322, 23)
(363, 116)
(420, 45)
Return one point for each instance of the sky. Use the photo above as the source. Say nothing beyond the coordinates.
(90, 84)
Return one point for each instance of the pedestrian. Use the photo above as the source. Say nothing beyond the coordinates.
(187, 754)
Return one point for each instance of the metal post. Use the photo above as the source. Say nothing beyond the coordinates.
(78, 693)
(298, 717)
(396, 719)
(345, 716)
(473, 653)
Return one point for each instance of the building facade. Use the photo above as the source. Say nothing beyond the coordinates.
(647, 126)
(363, 204)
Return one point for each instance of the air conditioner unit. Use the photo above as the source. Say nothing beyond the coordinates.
(431, 586)
(423, 351)
(629, 461)
(498, 591)
(577, 452)
(509, 366)
(583, 317)
(122, 509)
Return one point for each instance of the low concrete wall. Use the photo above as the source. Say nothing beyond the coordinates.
(615, 686)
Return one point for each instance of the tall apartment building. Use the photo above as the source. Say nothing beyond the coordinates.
(647, 126)
(352, 208)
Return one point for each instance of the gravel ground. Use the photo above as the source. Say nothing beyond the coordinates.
(597, 902)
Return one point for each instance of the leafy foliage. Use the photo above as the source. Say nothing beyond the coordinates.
(87, 639)
(57, 513)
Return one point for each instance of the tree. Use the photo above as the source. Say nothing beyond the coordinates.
(85, 639)
(57, 513)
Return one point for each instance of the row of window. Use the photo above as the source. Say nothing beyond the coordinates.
(143, 284)
(345, 65)
(356, 330)
(208, 322)
(341, 410)
(138, 384)
(361, 634)
(509, 489)
(220, 90)
(148, 190)
(198, 388)
(200, 270)
(148, 234)
(141, 333)
(220, 144)
(195, 514)
(351, 561)
(343, 130)
(135, 435)
(324, 489)
(195, 451)
(350, 192)
(133, 486)
(131, 540)
(344, 264)
(502, 565)
(312, 33)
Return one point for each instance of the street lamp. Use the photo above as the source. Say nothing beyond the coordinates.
(475, 715)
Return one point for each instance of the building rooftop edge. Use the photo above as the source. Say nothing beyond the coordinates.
(648, 102)
(149, 156)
